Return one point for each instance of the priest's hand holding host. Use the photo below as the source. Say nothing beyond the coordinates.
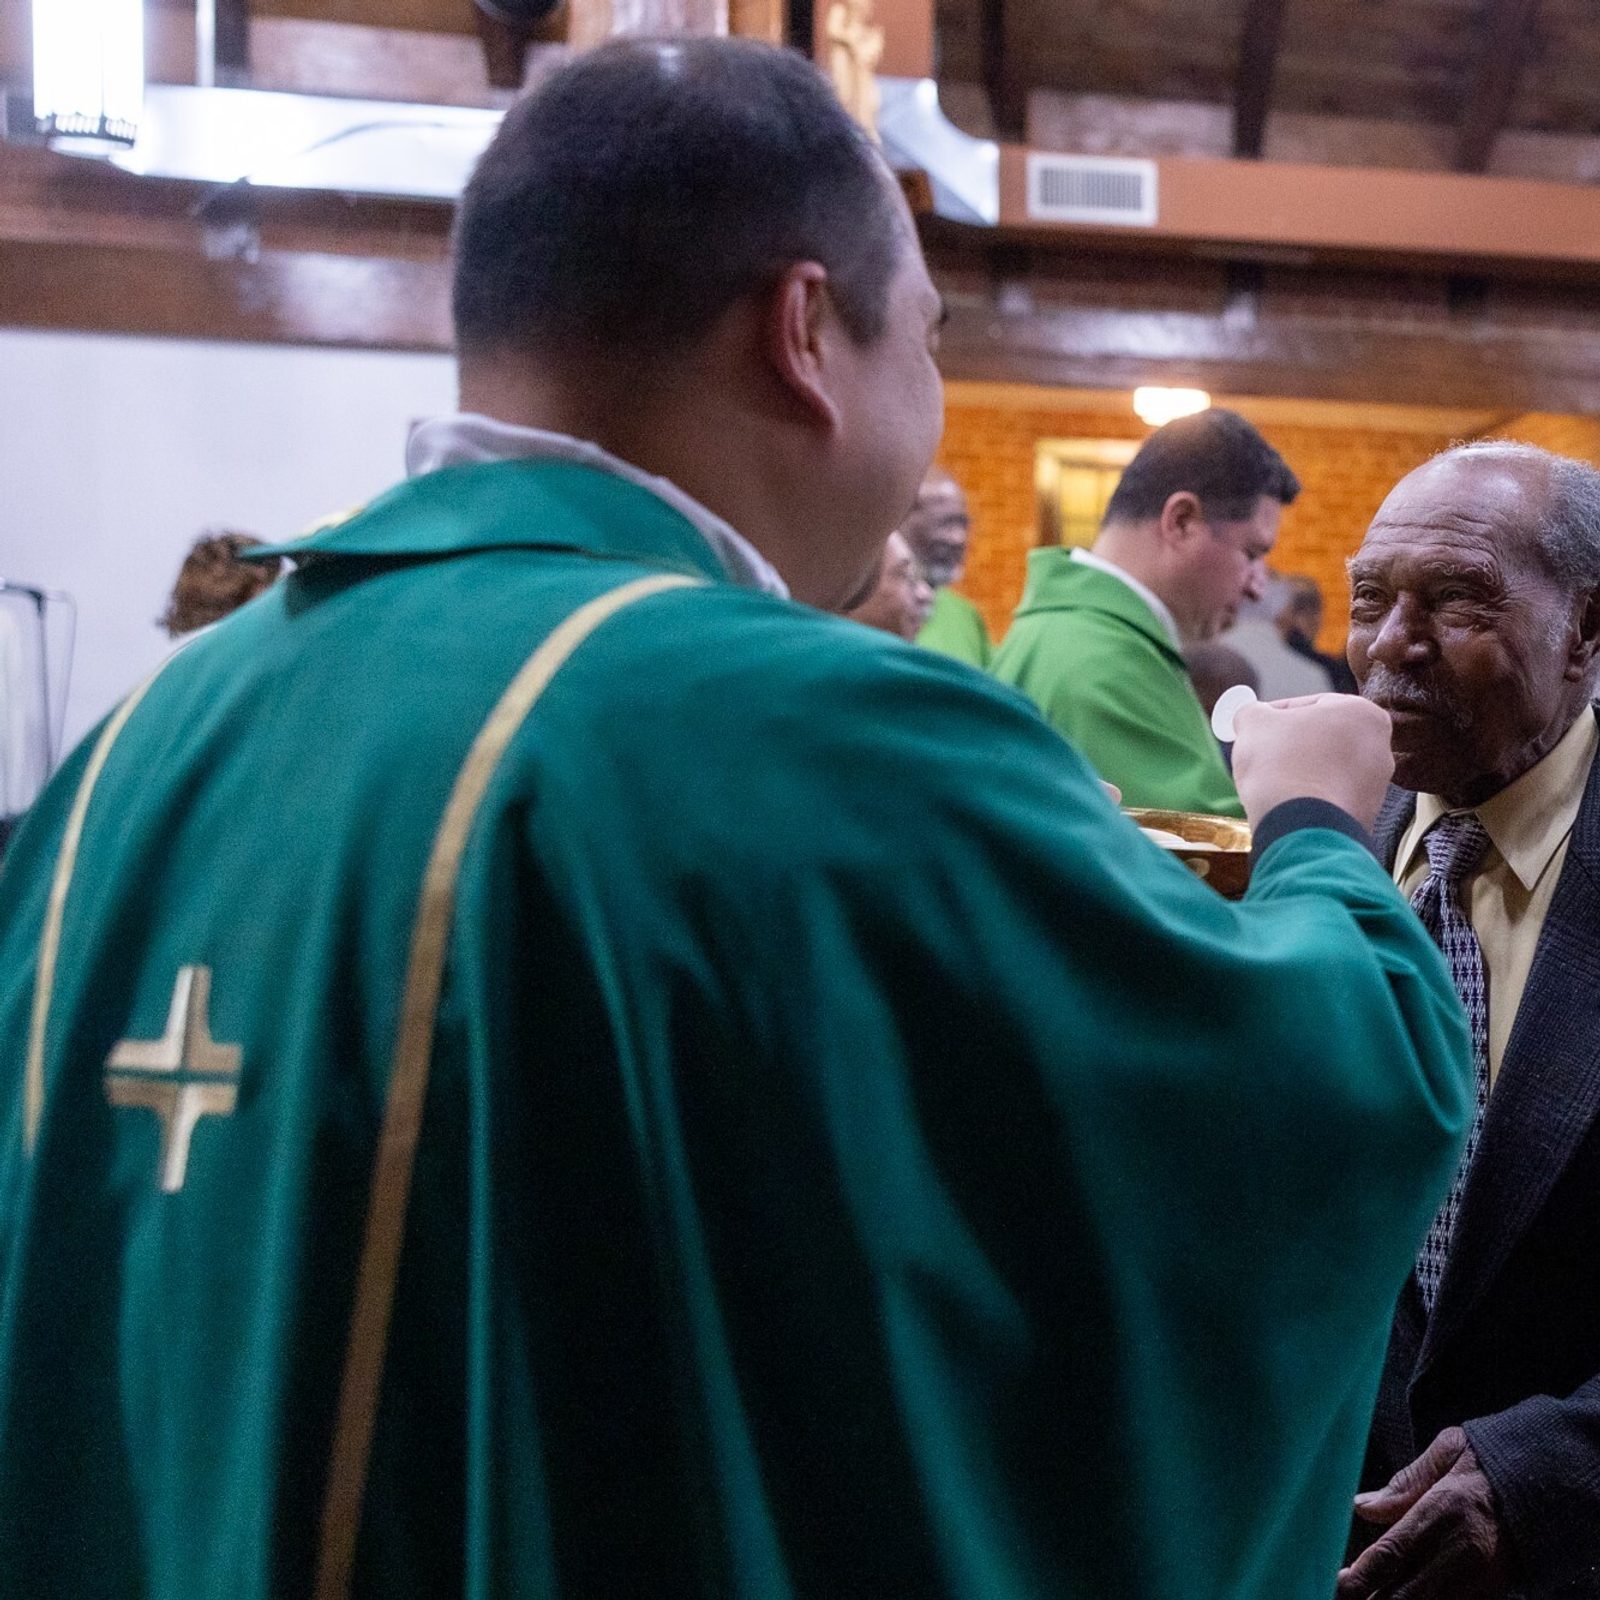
(1328, 747)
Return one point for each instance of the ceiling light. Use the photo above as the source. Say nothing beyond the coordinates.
(88, 72)
(1158, 406)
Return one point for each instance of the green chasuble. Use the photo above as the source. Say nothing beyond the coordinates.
(955, 628)
(774, 1132)
(1100, 665)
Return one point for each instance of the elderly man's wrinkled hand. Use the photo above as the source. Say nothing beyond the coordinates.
(1444, 1539)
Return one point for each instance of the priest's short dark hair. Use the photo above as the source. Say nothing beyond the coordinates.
(631, 200)
(1214, 455)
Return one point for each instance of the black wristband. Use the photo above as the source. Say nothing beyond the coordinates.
(1293, 815)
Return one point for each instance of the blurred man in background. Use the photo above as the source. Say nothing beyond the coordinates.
(1214, 669)
(1098, 639)
(901, 598)
(938, 531)
(1299, 621)
(1257, 635)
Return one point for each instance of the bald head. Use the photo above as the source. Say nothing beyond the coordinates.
(1474, 614)
(938, 528)
(1486, 499)
(1547, 502)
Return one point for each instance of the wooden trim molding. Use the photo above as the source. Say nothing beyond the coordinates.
(1438, 220)
(1503, 368)
(1002, 329)
(279, 297)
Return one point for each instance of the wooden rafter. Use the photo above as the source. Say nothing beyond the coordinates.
(1008, 95)
(432, 16)
(1501, 57)
(1258, 57)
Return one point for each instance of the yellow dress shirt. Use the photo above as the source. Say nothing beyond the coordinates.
(1529, 824)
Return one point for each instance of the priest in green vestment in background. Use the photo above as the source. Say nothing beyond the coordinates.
(1098, 639)
(541, 1064)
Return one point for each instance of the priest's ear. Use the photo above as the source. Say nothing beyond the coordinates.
(802, 340)
(1182, 521)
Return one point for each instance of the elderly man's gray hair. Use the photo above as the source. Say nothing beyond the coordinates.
(1569, 537)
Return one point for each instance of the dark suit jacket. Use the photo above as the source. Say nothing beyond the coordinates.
(1512, 1351)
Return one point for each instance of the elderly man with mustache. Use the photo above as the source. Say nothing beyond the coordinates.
(1475, 616)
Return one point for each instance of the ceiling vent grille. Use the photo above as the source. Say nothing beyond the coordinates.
(1094, 189)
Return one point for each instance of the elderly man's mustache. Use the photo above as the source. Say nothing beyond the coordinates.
(1398, 691)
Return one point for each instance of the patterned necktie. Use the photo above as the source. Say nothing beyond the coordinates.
(1456, 845)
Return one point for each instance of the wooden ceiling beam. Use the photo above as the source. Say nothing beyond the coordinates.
(1258, 60)
(310, 297)
(1501, 58)
(1278, 211)
(428, 16)
(1350, 360)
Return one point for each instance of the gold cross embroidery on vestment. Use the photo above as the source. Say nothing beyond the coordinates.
(182, 1076)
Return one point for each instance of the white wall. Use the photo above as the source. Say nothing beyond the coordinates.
(115, 453)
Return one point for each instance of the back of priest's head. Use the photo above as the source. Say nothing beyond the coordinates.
(631, 199)
(689, 254)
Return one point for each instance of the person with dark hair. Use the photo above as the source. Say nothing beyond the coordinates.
(1214, 669)
(1299, 621)
(1284, 674)
(215, 580)
(542, 1063)
(1098, 639)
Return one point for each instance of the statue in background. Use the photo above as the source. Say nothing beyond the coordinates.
(855, 47)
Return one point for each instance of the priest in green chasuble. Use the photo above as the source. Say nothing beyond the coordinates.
(1098, 639)
(541, 1064)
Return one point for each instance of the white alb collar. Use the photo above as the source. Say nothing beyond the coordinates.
(465, 439)
(1162, 610)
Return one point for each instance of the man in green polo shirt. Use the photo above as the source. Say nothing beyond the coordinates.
(540, 1065)
(1097, 642)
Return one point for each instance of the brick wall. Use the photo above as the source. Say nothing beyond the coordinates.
(1567, 436)
(1345, 471)
(1344, 475)
(989, 450)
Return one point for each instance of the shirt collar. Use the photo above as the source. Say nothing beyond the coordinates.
(466, 439)
(1163, 612)
(1528, 820)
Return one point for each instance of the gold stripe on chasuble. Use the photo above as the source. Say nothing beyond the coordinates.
(408, 1082)
(44, 980)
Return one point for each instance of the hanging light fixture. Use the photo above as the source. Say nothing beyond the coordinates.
(88, 72)
(1158, 406)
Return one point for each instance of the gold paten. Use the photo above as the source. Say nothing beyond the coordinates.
(855, 47)
(182, 1076)
(1225, 866)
